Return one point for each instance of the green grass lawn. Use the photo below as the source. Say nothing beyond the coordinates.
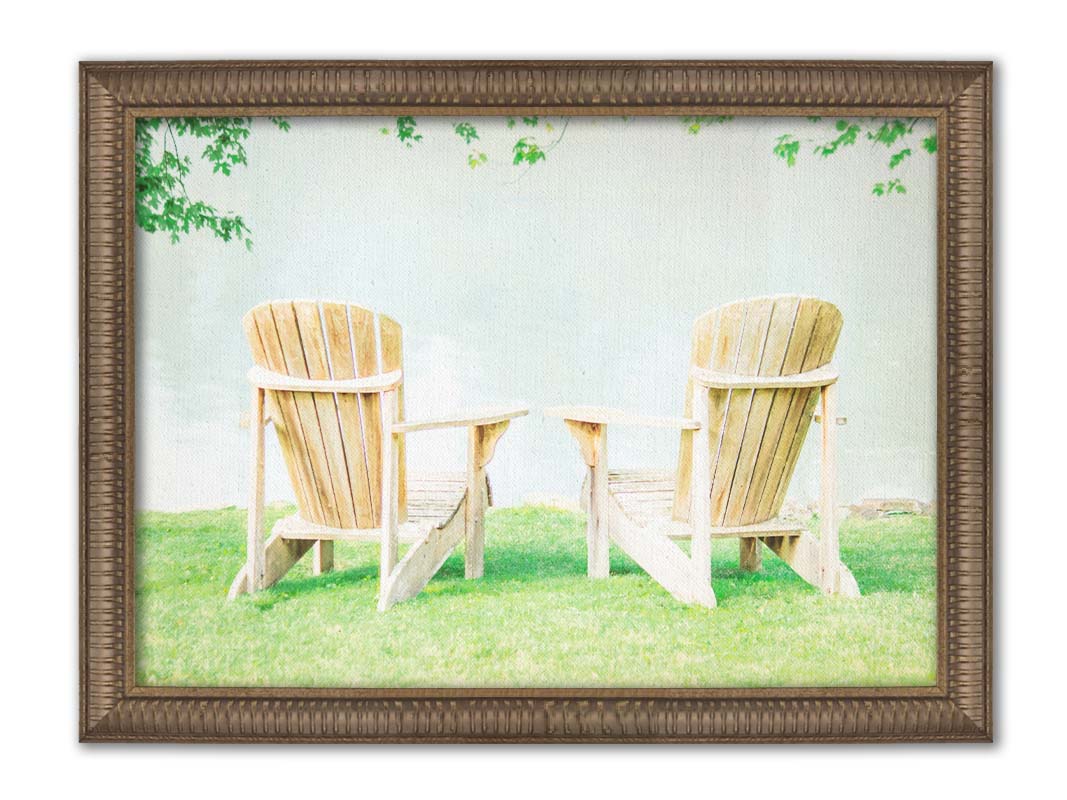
(534, 620)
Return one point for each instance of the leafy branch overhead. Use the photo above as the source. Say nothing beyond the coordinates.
(894, 134)
(694, 124)
(526, 150)
(161, 200)
(163, 162)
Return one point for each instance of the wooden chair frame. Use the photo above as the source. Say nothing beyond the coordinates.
(291, 537)
(688, 578)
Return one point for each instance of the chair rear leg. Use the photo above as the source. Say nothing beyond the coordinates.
(751, 554)
(322, 557)
(390, 498)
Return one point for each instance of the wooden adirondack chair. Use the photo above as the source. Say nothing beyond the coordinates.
(331, 377)
(758, 367)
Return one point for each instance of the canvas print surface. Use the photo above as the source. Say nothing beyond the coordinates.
(499, 401)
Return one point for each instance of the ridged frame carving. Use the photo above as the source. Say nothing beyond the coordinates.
(959, 707)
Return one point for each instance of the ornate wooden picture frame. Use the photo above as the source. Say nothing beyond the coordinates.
(115, 708)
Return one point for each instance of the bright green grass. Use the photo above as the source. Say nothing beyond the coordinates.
(535, 619)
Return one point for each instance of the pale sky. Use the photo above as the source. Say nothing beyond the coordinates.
(574, 281)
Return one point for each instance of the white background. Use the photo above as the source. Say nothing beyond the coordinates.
(41, 44)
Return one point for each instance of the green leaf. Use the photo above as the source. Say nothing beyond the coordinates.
(849, 132)
(893, 186)
(929, 144)
(896, 158)
(787, 148)
(889, 132)
(466, 132)
(694, 124)
(405, 130)
(527, 150)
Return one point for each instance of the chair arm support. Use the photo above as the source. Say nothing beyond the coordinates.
(473, 418)
(276, 381)
(588, 426)
(599, 415)
(245, 420)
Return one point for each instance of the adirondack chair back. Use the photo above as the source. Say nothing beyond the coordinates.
(756, 435)
(332, 443)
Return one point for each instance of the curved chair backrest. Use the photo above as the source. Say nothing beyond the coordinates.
(332, 443)
(756, 434)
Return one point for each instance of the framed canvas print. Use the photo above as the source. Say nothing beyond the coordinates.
(535, 402)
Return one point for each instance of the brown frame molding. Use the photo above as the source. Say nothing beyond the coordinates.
(958, 707)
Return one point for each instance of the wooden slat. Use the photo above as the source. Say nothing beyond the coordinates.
(757, 316)
(292, 351)
(342, 366)
(365, 350)
(292, 457)
(781, 402)
(313, 343)
(645, 495)
(392, 351)
(723, 354)
(776, 343)
(289, 408)
(820, 351)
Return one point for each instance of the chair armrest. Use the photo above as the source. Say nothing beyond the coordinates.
(822, 376)
(470, 418)
(599, 415)
(276, 381)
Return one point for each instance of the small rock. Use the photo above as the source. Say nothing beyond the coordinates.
(873, 508)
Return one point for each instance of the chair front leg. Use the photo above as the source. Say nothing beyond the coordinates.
(700, 496)
(829, 553)
(481, 445)
(592, 438)
(390, 494)
(256, 554)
